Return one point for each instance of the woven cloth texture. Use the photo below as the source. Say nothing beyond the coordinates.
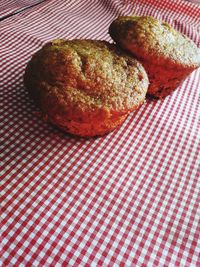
(130, 198)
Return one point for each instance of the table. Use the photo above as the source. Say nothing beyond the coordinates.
(130, 198)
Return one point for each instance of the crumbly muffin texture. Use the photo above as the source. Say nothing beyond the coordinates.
(167, 55)
(85, 87)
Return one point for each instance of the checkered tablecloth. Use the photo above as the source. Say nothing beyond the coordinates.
(130, 198)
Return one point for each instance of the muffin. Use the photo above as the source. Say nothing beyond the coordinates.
(167, 55)
(85, 87)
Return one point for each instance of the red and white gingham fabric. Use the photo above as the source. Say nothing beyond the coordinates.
(10, 7)
(130, 198)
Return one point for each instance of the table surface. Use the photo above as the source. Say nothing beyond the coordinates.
(130, 198)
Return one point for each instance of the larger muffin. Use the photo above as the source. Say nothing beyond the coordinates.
(85, 87)
(167, 55)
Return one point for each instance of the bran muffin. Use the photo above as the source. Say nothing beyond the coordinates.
(85, 87)
(167, 55)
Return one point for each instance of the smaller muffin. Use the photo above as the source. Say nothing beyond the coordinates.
(167, 55)
(85, 87)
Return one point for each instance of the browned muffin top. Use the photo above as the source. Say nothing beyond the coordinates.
(82, 78)
(155, 41)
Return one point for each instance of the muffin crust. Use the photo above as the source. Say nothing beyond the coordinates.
(85, 87)
(167, 55)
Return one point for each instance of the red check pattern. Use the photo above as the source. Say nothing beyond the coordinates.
(130, 198)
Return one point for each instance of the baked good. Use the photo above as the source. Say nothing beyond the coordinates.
(167, 55)
(85, 87)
